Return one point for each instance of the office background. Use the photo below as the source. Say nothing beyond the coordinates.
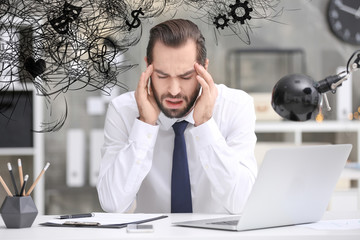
(300, 41)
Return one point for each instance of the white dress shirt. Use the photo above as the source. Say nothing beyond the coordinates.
(136, 164)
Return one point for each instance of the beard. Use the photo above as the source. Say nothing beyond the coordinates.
(176, 113)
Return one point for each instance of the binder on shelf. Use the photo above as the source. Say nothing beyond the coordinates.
(96, 143)
(344, 98)
(75, 158)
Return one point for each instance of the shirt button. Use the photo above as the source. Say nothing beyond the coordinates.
(149, 135)
(197, 138)
(138, 162)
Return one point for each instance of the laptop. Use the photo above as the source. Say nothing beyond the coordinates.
(294, 186)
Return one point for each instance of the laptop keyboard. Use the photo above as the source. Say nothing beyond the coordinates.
(230, 223)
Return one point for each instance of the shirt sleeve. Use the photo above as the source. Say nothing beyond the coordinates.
(228, 157)
(126, 160)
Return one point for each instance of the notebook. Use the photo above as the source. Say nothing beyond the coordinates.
(294, 186)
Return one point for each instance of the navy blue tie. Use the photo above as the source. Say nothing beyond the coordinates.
(180, 179)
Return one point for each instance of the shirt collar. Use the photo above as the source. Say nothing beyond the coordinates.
(167, 123)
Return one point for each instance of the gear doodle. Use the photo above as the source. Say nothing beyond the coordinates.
(221, 21)
(246, 11)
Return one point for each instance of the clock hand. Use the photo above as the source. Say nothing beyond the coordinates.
(347, 9)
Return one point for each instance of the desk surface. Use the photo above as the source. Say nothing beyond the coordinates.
(164, 230)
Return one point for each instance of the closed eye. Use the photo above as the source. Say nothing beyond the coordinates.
(186, 78)
(188, 75)
(162, 76)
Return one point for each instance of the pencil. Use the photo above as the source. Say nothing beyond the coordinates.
(5, 186)
(22, 191)
(37, 179)
(12, 178)
(21, 176)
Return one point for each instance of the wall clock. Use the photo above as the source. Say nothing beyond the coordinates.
(344, 19)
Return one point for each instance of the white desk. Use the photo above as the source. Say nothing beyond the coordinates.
(164, 230)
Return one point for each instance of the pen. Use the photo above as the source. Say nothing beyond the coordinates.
(37, 179)
(82, 215)
(5, 186)
(21, 175)
(22, 191)
(12, 178)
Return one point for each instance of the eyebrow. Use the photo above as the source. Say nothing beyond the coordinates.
(181, 75)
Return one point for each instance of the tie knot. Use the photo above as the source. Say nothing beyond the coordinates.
(179, 127)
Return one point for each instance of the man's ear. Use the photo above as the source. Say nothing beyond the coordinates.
(206, 64)
(145, 58)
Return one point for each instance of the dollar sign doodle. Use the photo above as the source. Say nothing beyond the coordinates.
(136, 21)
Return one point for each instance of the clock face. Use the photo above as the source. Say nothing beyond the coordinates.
(344, 20)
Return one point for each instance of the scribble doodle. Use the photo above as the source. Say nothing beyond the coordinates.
(136, 21)
(101, 54)
(69, 14)
(35, 68)
(241, 8)
(4, 7)
(58, 46)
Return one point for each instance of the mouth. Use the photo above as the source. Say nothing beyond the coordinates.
(174, 103)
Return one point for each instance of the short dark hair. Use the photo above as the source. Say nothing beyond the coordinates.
(174, 33)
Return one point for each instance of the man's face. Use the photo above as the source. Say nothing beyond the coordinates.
(174, 78)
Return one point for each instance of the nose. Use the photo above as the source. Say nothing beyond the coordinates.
(174, 87)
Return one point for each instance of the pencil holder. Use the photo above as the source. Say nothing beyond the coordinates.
(18, 212)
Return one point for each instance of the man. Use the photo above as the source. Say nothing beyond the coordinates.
(217, 166)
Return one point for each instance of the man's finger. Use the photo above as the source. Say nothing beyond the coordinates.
(149, 71)
(204, 74)
(203, 83)
(147, 74)
(144, 78)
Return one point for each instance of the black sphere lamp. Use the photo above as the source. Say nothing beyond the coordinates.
(298, 97)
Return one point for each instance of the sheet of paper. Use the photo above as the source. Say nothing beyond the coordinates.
(108, 218)
(342, 224)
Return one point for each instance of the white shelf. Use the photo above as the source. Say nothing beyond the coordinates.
(350, 173)
(298, 128)
(16, 151)
(310, 126)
